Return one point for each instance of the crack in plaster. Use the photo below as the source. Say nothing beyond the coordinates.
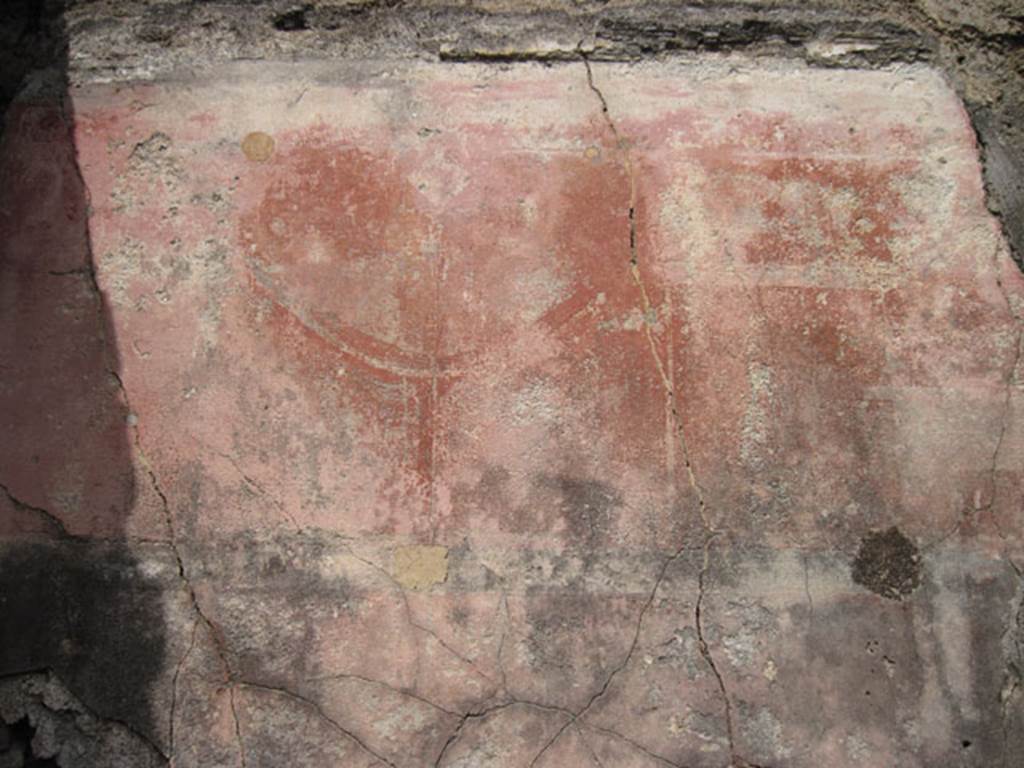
(439, 268)
(633, 743)
(1011, 382)
(512, 700)
(575, 720)
(1013, 677)
(174, 691)
(486, 712)
(407, 693)
(215, 635)
(501, 642)
(76, 271)
(590, 749)
(574, 717)
(319, 711)
(51, 519)
(572, 721)
(454, 737)
(1007, 408)
(705, 652)
(1011, 373)
(807, 587)
(238, 726)
(711, 531)
(394, 689)
(89, 272)
(235, 683)
(251, 483)
(218, 639)
(410, 617)
(408, 609)
(62, 533)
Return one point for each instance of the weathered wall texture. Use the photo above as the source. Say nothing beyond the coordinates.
(394, 412)
(978, 45)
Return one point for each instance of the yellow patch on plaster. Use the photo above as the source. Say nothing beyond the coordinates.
(419, 567)
(258, 146)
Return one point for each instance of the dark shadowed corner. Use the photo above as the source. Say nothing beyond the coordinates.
(81, 627)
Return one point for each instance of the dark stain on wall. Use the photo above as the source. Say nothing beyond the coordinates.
(888, 563)
(73, 600)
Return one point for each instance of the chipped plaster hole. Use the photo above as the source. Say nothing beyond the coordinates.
(16, 746)
(291, 21)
